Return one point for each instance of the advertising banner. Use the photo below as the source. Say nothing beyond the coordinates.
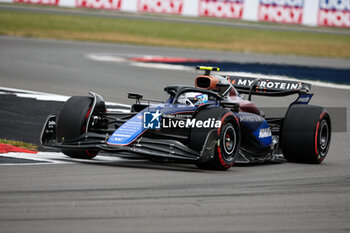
(334, 13)
(232, 9)
(160, 6)
(330, 13)
(41, 2)
(281, 11)
(99, 4)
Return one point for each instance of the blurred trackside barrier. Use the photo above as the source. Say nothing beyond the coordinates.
(331, 13)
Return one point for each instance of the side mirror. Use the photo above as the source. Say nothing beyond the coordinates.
(135, 96)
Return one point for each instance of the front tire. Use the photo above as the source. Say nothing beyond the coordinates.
(228, 139)
(71, 124)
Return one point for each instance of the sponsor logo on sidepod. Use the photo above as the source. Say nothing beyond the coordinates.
(264, 133)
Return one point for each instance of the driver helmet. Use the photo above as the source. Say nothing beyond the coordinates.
(193, 98)
(201, 99)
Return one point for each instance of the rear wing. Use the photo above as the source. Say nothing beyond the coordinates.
(268, 87)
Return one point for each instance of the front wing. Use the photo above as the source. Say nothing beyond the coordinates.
(160, 148)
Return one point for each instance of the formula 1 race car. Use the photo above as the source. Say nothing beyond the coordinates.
(209, 125)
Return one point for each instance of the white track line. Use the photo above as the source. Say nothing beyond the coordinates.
(34, 94)
(43, 96)
(161, 66)
(48, 158)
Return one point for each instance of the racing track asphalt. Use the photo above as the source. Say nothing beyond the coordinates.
(131, 196)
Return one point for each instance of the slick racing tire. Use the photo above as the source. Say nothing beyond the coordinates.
(228, 139)
(71, 124)
(306, 134)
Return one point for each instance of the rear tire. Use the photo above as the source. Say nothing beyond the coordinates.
(306, 134)
(228, 139)
(71, 124)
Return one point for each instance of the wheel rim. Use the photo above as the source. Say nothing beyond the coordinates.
(324, 137)
(229, 142)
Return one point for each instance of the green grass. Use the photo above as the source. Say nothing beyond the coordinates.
(172, 34)
(23, 145)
